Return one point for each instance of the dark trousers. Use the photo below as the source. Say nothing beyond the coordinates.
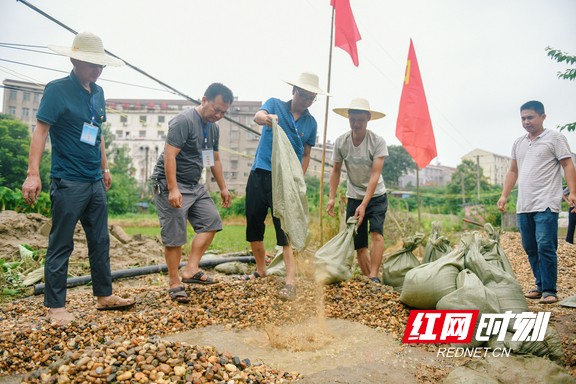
(571, 225)
(73, 201)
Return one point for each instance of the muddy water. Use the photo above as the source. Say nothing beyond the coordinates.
(323, 350)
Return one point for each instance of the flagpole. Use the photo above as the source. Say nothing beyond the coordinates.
(418, 196)
(321, 205)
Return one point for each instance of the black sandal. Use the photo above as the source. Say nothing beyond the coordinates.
(179, 294)
(253, 276)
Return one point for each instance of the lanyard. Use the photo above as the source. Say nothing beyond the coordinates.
(295, 125)
(204, 130)
(89, 102)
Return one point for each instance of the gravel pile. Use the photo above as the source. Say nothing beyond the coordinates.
(127, 346)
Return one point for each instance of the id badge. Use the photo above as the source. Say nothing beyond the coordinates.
(208, 157)
(89, 134)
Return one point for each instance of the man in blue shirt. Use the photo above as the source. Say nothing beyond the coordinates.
(300, 127)
(72, 111)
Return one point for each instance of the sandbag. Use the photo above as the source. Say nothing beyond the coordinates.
(333, 261)
(288, 189)
(470, 294)
(509, 292)
(277, 266)
(397, 264)
(426, 284)
(437, 245)
(493, 252)
(550, 347)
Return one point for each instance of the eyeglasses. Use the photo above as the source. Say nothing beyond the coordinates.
(306, 98)
(99, 66)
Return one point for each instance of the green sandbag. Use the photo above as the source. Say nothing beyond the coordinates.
(277, 266)
(470, 294)
(288, 189)
(426, 284)
(493, 251)
(400, 262)
(436, 246)
(509, 292)
(333, 261)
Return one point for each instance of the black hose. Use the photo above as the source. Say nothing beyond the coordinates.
(81, 280)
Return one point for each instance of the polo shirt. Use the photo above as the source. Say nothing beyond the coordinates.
(186, 132)
(66, 106)
(300, 133)
(539, 171)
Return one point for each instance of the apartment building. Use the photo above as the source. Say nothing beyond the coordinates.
(21, 100)
(141, 125)
(494, 167)
(432, 176)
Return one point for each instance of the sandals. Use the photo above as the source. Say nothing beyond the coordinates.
(375, 280)
(197, 279)
(253, 276)
(287, 293)
(533, 294)
(550, 299)
(178, 294)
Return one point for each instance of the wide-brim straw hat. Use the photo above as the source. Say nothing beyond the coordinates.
(309, 82)
(361, 105)
(89, 48)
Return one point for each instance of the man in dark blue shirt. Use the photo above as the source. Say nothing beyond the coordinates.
(72, 111)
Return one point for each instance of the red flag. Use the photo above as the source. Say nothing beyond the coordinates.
(414, 127)
(347, 33)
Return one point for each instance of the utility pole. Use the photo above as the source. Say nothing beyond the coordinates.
(478, 176)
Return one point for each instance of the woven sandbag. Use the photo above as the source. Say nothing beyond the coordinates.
(333, 261)
(288, 189)
(509, 292)
(550, 347)
(397, 264)
(437, 245)
(426, 284)
(470, 294)
(493, 252)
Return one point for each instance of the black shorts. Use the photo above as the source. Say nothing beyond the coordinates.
(375, 215)
(258, 201)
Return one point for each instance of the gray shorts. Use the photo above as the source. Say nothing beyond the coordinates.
(197, 207)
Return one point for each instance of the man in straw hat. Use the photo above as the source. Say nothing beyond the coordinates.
(72, 111)
(363, 152)
(300, 127)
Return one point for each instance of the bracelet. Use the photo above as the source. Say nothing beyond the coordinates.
(106, 170)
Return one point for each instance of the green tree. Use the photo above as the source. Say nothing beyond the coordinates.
(125, 191)
(463, 187)
(568, 74)
(13, 151)
(396, 164)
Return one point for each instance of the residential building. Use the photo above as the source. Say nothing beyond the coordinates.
(431, 176)
(141, 125)
(494, 167)
(21, 100)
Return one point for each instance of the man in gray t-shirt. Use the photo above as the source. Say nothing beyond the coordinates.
(537, 160)
(362, 152)
(191, 145)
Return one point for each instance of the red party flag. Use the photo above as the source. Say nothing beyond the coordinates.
(347, 33)
(414, 127)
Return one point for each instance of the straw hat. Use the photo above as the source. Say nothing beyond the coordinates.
(361, 105)
(89, 48)
(309, 82)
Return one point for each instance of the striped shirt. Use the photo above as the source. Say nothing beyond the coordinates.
(539, 171)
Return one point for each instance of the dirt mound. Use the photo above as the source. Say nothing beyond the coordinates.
(33, 229)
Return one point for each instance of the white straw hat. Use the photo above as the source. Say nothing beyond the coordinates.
(361, 105)
(89, 48)
(309, 82)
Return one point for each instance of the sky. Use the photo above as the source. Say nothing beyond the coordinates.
(479, 60)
